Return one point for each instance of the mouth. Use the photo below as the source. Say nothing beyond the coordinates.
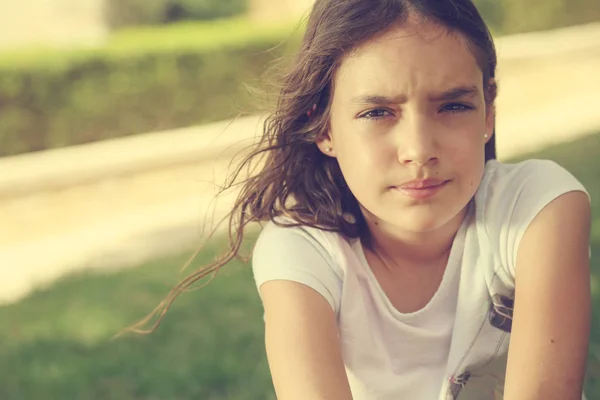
(422, 189)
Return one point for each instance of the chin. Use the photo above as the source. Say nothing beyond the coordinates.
(423, 221)
(423, 218)
(421, 225)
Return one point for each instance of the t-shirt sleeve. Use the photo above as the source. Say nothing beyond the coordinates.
(515, 195)
(299, 255)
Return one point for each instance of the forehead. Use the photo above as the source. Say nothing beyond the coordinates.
(410, 57)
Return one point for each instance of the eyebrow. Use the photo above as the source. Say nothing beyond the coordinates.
(456, 93)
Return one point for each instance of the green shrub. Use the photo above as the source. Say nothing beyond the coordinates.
(143, 80)
(205, 9)
(123, 13)
(516, 16)
(493, 13)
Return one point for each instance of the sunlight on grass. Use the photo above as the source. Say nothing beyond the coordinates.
(85, 324)
(595, 234)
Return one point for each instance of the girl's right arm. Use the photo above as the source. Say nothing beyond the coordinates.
(302, 343)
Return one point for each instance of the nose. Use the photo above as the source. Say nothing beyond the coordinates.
(417, 143)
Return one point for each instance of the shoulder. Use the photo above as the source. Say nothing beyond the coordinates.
(507, 179)
(506, 186)
(301, 254)
(280, 235)
(512, 195)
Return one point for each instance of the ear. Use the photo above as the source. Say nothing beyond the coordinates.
(490, 110)
(325, 144)
(490, 121)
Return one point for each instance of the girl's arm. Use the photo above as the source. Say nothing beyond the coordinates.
(550, 333)
(302, 343)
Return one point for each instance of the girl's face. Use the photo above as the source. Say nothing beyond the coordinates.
(408, 126)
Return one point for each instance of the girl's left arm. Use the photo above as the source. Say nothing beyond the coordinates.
(552, 312)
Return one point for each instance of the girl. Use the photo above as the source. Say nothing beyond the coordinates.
(400, 260)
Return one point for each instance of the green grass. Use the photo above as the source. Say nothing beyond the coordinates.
(56, 343)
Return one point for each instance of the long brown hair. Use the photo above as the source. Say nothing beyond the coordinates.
(293, 178)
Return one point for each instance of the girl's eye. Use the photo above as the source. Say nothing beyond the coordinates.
(376, 114)
(456, 108)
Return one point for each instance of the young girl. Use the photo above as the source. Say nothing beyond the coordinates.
(400, 260)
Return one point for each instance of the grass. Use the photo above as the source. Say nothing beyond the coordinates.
(56, 343)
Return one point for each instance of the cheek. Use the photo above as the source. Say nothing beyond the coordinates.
(356, 162)
(466, 138)
(363, 163)
(466, 155)
(470, 165)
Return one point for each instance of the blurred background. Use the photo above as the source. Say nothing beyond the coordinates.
(118, 122)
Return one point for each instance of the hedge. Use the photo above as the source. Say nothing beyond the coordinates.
(122, 13)
(517, 16)
(143, 80)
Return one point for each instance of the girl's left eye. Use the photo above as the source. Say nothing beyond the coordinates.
(456, 108)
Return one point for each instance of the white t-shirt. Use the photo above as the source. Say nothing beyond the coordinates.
(459, 341)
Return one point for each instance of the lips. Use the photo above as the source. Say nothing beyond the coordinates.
(422, 184)
(422, 189)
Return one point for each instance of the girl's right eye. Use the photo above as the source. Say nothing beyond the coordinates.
(378, 113)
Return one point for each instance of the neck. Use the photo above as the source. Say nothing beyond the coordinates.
(412, 248)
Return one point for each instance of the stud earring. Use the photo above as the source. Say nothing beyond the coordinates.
(485, 136)
(329, 149)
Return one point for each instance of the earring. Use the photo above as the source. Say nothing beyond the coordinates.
(329, 149)
(485, 136)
